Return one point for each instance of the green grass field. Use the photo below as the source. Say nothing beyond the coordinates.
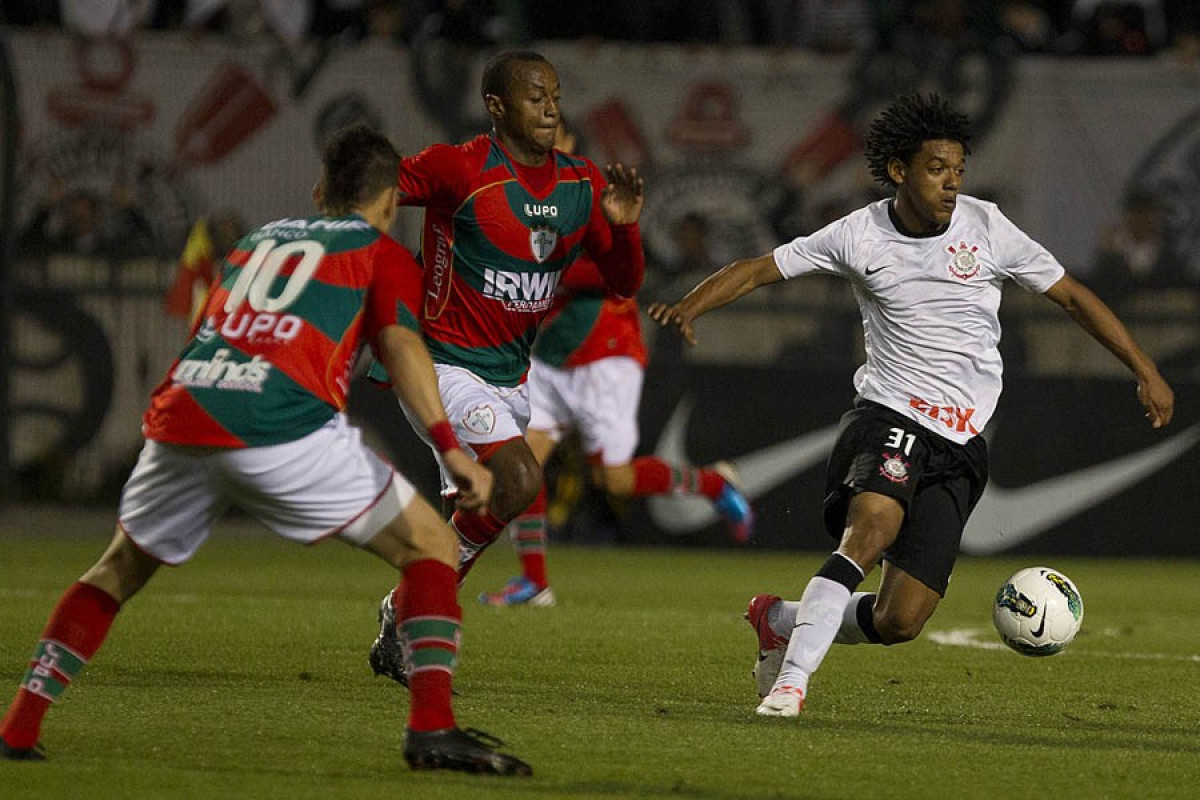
(243, 674)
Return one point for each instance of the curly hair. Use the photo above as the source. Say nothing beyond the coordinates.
(910, 121)
(498, 74)
(357, 163)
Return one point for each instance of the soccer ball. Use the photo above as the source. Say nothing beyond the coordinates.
(1038, 611)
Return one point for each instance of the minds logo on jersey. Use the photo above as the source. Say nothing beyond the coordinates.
(521, 291)
(219, 372)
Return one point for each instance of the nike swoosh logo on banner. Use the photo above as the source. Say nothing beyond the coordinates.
(759, 471)
(1005, 518)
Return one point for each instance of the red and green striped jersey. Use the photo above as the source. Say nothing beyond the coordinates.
(588, 322)
(494, 249)
(269, 359)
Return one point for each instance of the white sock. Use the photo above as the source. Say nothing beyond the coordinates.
(850, 632)
(782, 618)
(817, 620)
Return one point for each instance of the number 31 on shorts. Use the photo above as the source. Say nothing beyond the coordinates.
(900, 440)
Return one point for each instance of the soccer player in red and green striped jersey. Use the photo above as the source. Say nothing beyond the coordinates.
(505, 215)
(588, 366)
(251, 414)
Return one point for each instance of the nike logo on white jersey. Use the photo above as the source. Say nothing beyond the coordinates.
(1003, 519)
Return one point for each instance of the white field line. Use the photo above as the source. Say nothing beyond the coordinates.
(982, 640)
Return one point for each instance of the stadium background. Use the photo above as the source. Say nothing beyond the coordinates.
(748, 146)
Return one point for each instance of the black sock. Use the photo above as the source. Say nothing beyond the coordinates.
(840, 569)
(865, 616)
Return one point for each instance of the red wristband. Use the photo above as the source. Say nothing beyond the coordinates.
(442, 436)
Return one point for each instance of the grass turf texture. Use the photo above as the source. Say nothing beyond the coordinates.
(243, 674)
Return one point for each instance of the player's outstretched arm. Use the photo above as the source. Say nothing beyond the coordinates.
(722, 287)
(1094, 316)
(402, 352)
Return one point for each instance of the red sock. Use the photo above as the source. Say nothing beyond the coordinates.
(430, 623)
(652, 475)
(475, 533)
(709, 483)
(73, 634)
(477, 529)
(529, 536)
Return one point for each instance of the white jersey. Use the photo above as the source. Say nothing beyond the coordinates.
(930, 306)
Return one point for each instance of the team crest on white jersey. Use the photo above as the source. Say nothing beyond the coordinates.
(481, 420)
(964, 264)
(542, 240)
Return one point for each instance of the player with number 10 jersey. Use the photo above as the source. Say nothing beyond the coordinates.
(269, 359)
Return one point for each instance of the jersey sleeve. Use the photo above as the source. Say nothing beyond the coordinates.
(616, 249)
(825, 251)
(1021, 258)
(394, 296)
(436, 176)
(583, 276)
(598, 237)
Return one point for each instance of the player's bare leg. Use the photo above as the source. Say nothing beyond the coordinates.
(902, 607)
(518, 479)
(123, 569)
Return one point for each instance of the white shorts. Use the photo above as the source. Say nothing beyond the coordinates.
(599, 399)
(479, 412)
(326, 484)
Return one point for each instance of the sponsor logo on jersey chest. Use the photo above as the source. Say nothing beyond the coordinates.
(521, 291)
(541, 210)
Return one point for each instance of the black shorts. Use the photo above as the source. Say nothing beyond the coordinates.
(936, 480)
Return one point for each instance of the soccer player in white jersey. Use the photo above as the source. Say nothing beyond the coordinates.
(926, 267)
